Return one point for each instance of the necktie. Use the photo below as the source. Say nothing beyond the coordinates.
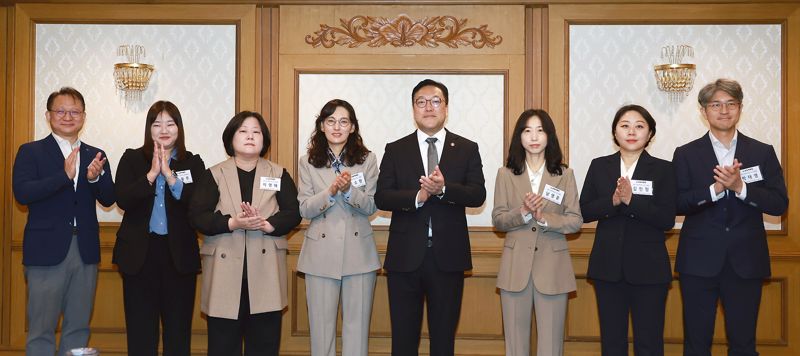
(433, 154)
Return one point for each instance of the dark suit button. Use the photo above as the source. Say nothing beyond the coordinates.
(76, 202)
(631, 215)
(536, 249)
(533, 228)
(222, 255)
(727, 229)
(356, 233)
(323, 236)
(263, 251)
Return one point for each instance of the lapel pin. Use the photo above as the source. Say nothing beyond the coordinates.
(452, 144)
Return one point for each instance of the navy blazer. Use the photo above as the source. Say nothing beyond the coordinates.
(135, 195)
(39, 181)
(629, 241)
(729, 227)
(398, 184)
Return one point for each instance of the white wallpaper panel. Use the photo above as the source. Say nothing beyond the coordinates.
(383, 106)
(195, 69)
(612, 65)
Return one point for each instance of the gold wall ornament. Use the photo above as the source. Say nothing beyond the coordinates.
(132, 77)
(675, 77)
(403, 31)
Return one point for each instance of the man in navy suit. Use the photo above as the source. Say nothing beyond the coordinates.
(726, 181)
(59, 178)
(426, 180)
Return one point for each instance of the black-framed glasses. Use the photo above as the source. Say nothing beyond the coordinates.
(730, 105)
(343, 123)
(421, 102)
(75, 114)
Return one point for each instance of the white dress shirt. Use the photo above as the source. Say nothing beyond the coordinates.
(725, 156)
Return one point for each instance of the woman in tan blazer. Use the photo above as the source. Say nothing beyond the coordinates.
(535, 203)
(244, 205)
(337, 185)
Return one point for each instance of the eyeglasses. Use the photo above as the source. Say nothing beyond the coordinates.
(422, 102)
(75, 114)
(343, 123)
(730, 105)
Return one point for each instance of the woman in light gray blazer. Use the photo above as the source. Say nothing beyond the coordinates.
(339, 258)
(535, 204)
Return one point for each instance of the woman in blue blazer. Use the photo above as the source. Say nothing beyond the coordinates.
(631, 195)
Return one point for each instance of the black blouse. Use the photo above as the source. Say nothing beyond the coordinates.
(210, 221)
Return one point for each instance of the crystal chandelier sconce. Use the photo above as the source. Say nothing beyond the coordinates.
(132, 77)
(675, 77)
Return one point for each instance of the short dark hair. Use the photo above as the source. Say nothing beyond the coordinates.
(651, 122)
(430, 83)
(553, 156)
(730, 86)
(157, 108)
(236, 122)
(354, 150)
(70, 91)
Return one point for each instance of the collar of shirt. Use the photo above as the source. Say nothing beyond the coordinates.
(423, 145)
(724, 154)
(535, 177)
(627, 172)
(65, 146)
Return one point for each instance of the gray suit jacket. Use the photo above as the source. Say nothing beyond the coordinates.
(530, 248)
(339, 239)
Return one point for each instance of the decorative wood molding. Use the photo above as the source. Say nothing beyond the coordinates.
(404, 31)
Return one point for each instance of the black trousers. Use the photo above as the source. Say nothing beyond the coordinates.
(441, 290)
(646, 306)
(740, 298)
(261, 332)
(159, 294)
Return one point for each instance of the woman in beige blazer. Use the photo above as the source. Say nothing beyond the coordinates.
(337, 184)
(535, 203)
(244, 205)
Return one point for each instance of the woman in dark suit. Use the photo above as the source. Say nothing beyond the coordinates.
(156, 248)
(339, 258)
(535, 204)
(632, 197)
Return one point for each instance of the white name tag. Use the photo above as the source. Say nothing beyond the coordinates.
(185, 176)
(552, 194)
(752, 174)
(357, 180)
(269, 183)
(642, 187)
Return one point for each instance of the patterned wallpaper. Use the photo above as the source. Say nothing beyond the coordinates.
(612, 65)
(195, 69)
(383, 106)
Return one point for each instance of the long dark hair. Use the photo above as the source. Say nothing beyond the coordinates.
(354, 150)
(157, 108)
(552, 153)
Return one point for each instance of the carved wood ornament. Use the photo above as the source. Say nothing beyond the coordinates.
(403, 31)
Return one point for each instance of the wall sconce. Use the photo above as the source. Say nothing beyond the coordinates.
(132, 77)
(674, 77)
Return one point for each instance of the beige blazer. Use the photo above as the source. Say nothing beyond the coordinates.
(339, 239)
(223, 255)
(531, 250)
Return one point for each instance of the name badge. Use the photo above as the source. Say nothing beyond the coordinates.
(185, 176)
(752, 174)
(642, 187)
(553, 194)
(357, 180)
(269, 183)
